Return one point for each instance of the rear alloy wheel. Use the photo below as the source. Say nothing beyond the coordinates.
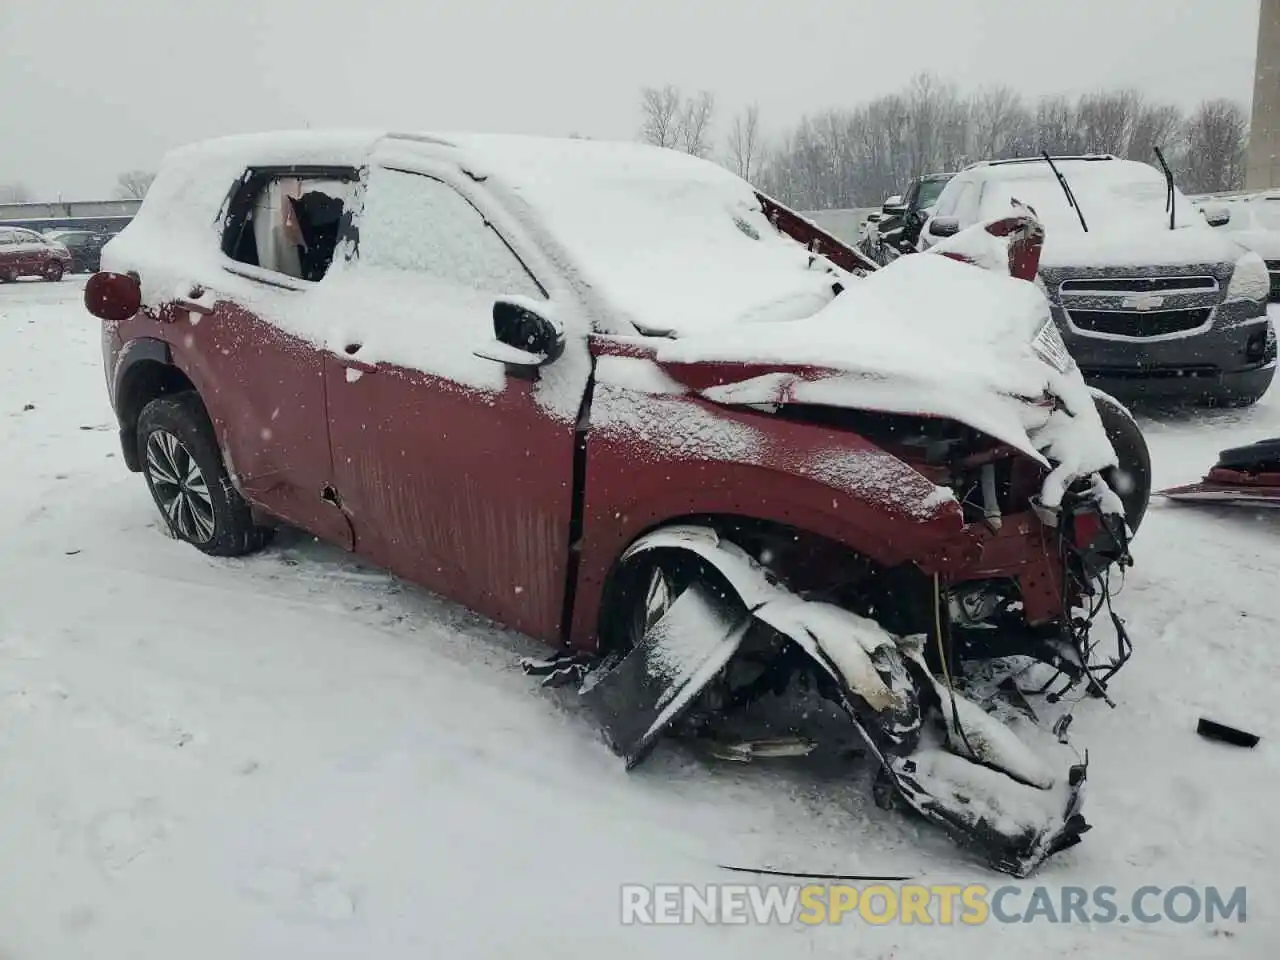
(8, 276)
(53, 271)
(188, 481)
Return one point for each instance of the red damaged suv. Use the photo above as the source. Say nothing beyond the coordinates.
(614, 398)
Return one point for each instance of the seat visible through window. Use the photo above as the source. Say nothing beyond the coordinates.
(291, 226)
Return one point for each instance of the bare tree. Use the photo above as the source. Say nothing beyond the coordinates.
(1056, 128)
(1105, 121)
(998, 122)
(936, 122)
(133, 184)
(1217, 139)
(744, 141)
(694, 134)
(1155, 125)
(858, 156)
(660, 108)
(15, 193)
(881, 132)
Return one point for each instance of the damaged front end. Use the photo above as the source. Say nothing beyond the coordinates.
(945, 629)
(949, 672)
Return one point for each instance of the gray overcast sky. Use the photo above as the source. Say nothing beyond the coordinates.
(93, 87)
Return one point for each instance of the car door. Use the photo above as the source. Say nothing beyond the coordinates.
(8, 253)
(454, 472)
(249, 336)
(76, 244)
(31, 252)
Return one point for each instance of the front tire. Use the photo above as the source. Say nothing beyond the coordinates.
(188, 480)
(53, 271)
(1131, 479)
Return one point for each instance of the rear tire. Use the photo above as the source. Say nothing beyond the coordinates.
(188, 480)
(1131, 478)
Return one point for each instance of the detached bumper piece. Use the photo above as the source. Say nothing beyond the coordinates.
(1011, 846)
(942, 755)
(1242, 477)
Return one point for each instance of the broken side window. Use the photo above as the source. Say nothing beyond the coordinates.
(287, 223)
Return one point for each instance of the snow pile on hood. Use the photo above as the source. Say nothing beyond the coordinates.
(978, 246)
(929, 336)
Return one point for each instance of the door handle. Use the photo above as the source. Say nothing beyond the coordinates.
(349, 359)
(193, 306)
(197, 300)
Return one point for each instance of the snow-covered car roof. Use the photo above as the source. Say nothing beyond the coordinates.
(665, 240)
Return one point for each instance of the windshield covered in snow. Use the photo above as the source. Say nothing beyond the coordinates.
(668, 242)
(1115, 195)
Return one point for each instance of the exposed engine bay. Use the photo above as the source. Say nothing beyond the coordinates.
(962, 704)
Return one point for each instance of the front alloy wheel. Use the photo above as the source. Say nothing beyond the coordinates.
(180, 487)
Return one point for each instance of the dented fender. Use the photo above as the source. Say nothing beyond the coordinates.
(654, 460)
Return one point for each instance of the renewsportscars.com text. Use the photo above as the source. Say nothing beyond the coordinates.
(941, 904)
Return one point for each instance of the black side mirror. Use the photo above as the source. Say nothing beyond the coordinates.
(523, 338)
(894, 206)
(1217, 216)
(944, 227)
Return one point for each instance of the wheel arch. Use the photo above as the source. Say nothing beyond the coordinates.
(728, 568)
(145, 371)
(733, 544)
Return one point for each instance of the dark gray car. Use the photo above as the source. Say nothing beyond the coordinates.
(1153, 304)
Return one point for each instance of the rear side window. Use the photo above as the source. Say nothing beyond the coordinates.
(287, 222)
(418, 223)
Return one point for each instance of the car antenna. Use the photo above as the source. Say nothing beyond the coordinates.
(1168, 179)
(1066, 188)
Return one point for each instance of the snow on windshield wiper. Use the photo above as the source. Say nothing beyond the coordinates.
(1168, 179)
(1066, 189)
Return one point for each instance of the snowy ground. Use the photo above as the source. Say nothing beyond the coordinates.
(294, 756)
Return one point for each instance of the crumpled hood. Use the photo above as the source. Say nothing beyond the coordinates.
(1184, 246)
(929, 336)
